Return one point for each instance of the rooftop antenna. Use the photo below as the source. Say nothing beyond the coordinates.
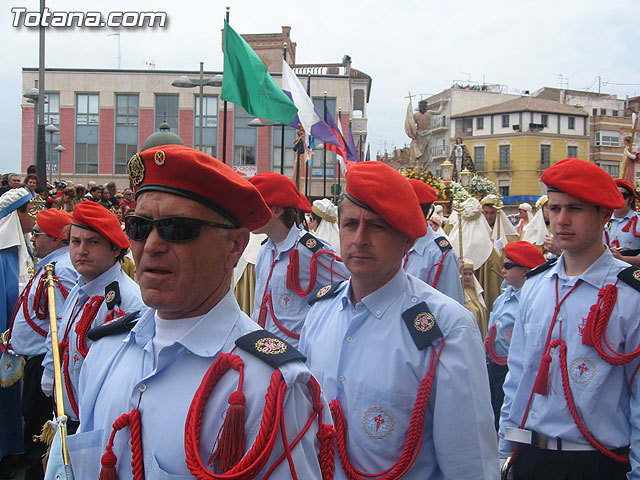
(116, 35)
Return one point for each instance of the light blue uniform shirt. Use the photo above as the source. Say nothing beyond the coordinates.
(421, 262)
(618, 238)
(289, 308)
(364, 356)
(130, 302)
(25, 340)
(118, 368)
(600, 390)
(503, 316)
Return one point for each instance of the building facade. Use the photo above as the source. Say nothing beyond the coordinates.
(104, 116)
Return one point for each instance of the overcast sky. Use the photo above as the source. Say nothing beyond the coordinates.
(412, 45)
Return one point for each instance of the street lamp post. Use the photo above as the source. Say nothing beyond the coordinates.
(186, 82)
(32, 96)
(60, 149)
(51, 129)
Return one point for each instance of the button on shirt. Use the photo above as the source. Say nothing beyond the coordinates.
(120, 373)
(503, 316)
(422, 260)
(131, 300)
(289, 308)
(618, 238)
(25, 340)
(600, 390)
(364, 356)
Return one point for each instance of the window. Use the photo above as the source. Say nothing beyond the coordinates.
(358, 100)
(607, 139)
(480, 123)
(87, 119)
(572, 123)
(478, 157)
(52, 117)
(594, 112)
(504, 191)
(572, 151)
(544, 120)
(505, 121)
(467, 126)
(614, 113)
(289, 138)
(505, 156)
(167, 111)
(209, 122)
(603, 111)
(244, 138)
(613, 170)
(317, 159)
(545, 156)
(126, 130)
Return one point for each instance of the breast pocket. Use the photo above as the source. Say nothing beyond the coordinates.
(157, 473)
(380, 420)
(85, 451)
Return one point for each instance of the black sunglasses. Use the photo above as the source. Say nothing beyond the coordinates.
(510, 265)
(171, 229)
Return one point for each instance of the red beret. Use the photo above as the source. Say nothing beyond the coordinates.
(95, 217)
(524, 253)
(53, 221)
(585, 181)
(193, 174)
(279, 191)
(621, 182)
(379, 188)
(425, 193)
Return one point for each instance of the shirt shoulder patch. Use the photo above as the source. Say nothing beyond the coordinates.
(119, 325)
(112, 295)
(443, 244)
(541, 268)
(311, 242)
(269, 348)
(631, 276)
(422, 325)
(328, 291)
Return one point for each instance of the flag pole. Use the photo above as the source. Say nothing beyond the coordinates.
(324, 154)
(345, 150)
(309, 157)
(284, 55)
(224, 119)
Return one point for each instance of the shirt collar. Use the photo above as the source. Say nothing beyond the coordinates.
(289, 242)
(421, 244)
(379, 301)
(53, 256)
(630, 214)
(96, 286)
(596, 274)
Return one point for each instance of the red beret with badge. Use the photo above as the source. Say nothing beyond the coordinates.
(425, 193)
(524, 253)
(377, 187)
(193, 174)
(279, 191)
(622, 183)
(52, 222)
(584, 181)
(93, 216)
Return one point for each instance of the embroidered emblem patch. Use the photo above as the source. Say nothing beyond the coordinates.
(311, 243)
(636, 275)
(443, 243)
(581, 325)
(424, 322)
(135, 166)
(508, 333)
(378, 423)
(76, 360)
(323, 291)
(111, 294)
(285, 301)
(271, 346)
(159, 158)
(582, 370)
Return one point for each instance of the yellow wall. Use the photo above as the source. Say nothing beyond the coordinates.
(524, 171)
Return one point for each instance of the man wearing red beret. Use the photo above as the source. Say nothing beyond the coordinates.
(520, 257)
(571, 406)
(622, 233)
(402, 362)
(292, 264)
(432, 259)
(30, 326)
(192, 387)
(103, 292)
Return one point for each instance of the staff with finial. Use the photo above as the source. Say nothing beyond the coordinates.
(457, 206)
(625, 158)
(53, 325)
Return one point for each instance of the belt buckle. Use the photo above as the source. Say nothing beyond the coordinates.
(539, 440)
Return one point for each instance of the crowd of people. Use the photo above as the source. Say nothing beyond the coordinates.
(213, 326)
